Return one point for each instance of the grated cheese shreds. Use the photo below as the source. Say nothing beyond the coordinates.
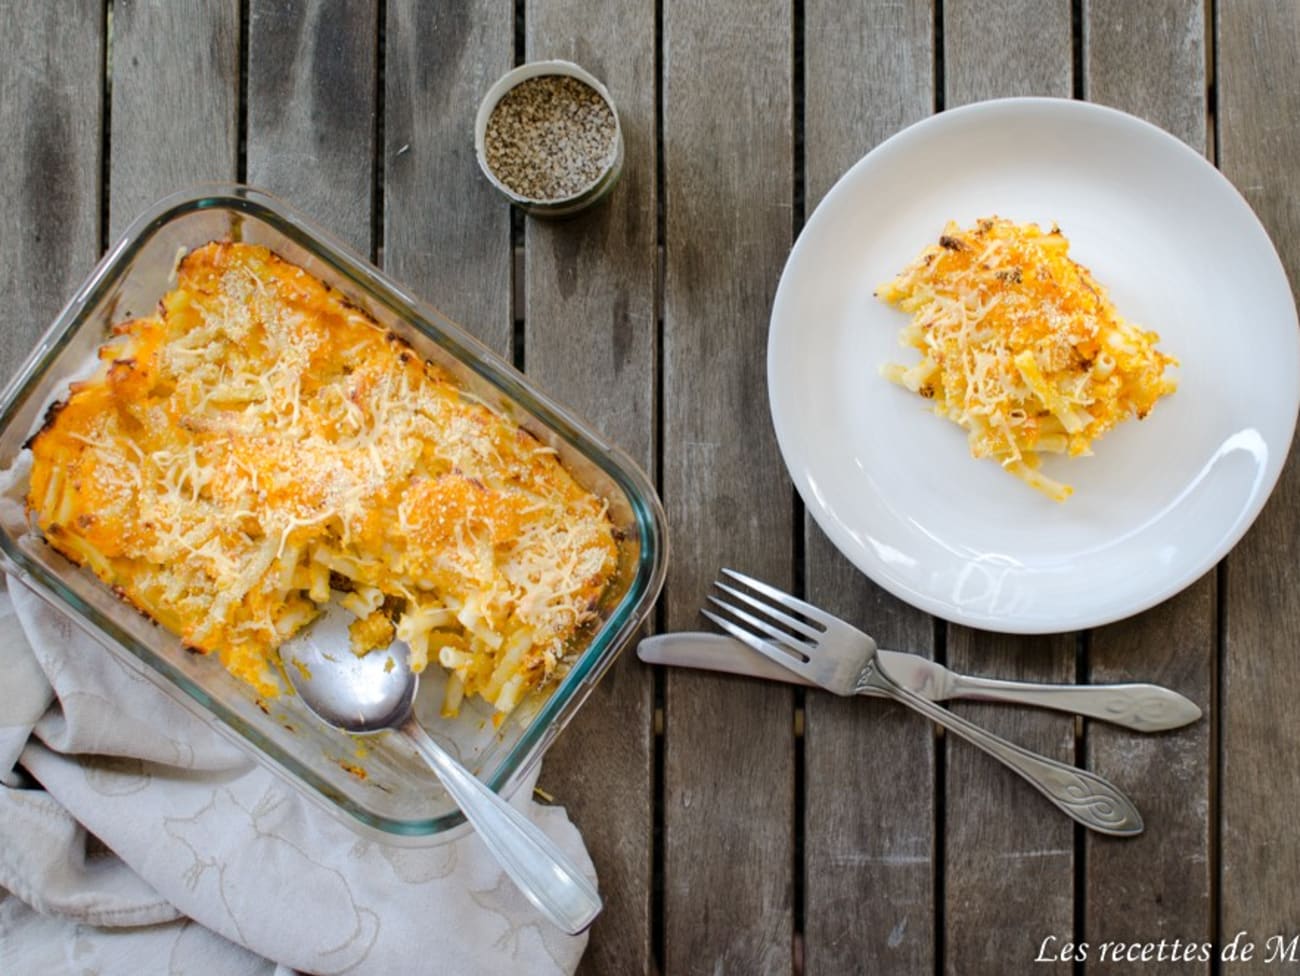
(259, 438)
(1021, 346)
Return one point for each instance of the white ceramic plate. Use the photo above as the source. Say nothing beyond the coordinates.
(1162, 500)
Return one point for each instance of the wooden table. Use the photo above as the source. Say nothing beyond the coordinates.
(726, 836)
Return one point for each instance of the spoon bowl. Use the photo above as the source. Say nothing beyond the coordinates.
(374, 693)
(356, 693)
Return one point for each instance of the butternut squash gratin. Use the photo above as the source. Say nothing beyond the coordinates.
(260, 441)
(1021, 347)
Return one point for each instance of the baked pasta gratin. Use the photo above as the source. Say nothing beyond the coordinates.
(1021, 346)
(260, 442)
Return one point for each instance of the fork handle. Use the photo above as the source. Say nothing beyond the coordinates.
(1080, 794)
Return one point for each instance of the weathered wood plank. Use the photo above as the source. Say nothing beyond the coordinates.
(1156, 886)
(1258, 102)
(311, 109)
(1009, 856)
(869, 825)
(590, 337)
(1151, 61)
(729, 745)
(869, 839)
(51, 93)
(1001, 48)
(175, 104)
(446, 229)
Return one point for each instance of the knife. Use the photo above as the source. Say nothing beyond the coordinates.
(1142, 707)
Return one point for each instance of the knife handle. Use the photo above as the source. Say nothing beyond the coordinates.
(1141, 707)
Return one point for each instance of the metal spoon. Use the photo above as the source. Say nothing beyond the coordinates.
(367, 694)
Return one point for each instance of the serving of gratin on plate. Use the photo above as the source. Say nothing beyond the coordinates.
(1040, 349)
(1021, 346)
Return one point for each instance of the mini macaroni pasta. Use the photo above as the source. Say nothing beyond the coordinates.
(1021, 347)
(260, 443)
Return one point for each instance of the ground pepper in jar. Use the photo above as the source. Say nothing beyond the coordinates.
(550, 137)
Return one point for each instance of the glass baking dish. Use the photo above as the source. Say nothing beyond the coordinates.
(377, 784)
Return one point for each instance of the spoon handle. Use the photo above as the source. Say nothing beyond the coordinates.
(541, 870)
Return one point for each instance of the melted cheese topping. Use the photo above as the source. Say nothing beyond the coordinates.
(259, 437)
(1021, 346)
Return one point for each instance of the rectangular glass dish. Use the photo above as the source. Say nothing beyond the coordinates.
(377, 784)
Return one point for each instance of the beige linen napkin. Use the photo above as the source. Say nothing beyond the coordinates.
(209, 863)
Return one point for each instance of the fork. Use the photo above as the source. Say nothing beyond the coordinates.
(842, 659)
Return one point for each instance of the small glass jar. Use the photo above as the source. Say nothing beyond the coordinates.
(558, 206)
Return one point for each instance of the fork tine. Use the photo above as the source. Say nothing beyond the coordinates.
(766, 648)
(775, 635)
(773, 612)
(785, 599)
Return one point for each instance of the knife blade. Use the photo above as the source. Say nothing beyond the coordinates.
(1138, 706)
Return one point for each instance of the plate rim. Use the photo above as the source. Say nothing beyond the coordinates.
(1068, 621)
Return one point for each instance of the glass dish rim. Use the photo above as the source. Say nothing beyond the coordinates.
(571, 691)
